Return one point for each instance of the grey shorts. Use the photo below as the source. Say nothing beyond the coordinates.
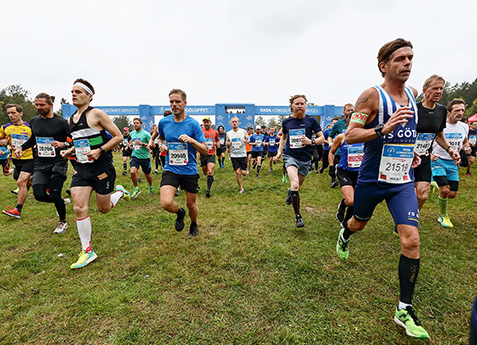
(303, 167)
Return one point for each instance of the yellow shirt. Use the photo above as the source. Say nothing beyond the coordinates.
(17, 135)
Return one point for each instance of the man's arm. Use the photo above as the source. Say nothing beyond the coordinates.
(441, 140)
(103, 120)
(283, 141)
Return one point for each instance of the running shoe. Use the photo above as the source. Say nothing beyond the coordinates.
(15, 191)
(284, 179)
(61, 227)
(84, 259)
(445, 222)
(256, 175)
(342, 246)
(180, 219)
(177, 192)
(207, 194)
(288, 201)
(341, 212)
(193, 231)
(434, 186)
(271, 170)
(126, 194)
(150, 191)
(334, 184)
(125, 173)
(407, 319)
(299, 222)
(468, 173)
(12, 212)
(136, 192)
(156, 171)
(241, 191)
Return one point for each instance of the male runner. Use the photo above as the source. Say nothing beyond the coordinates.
(445, 168)
(264, 132)
(237, 138)
(5, 160)
(271, 142)
(49, 134)
(140, 156)
(222, 146)
(432, 121)
(256, 140)
(472, 141)
(326, 146)
(184, 138)
(94, 167)
(126, 149)
(14, 134)
(248, 147)
(207, 162)
(338, 128)
(296, 141)
(386, 120)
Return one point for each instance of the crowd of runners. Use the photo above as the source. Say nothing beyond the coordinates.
(385, 147)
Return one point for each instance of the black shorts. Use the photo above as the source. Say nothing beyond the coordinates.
(256, 154)
(204, 160)
(423, 172)
(442, 181)
(25, 165)
(5, 165)
(44, 174)
(239, 163)
(145, 164)
(474, 151)
(220, 151)
(347, 178)
(99, 175)
(189, 183)
(272, 154)
(127, 153)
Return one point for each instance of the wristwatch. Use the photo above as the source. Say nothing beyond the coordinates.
(378, 130)
(101, 151)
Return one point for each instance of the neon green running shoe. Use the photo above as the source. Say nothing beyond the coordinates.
(434, 186)
(84, 259)
(150, 191)
(284, 179)
(126, 194)
(342, 247)
(445, 222)
(407, 319)
(136, 192)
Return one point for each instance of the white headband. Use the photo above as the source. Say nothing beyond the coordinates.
(88, 90)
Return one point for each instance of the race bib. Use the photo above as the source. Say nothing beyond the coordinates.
(125, 142)
(355, 156)
(295, 138)
(210, 143)
(395, 163)
(473, 139)
(44, 148)
(18, 140)
(423, 143)
(258, 143)
(137, 146)
(271, 142)
(236, 143)
(455, 140)
(178, 154)
(81, 147)
(222, 141)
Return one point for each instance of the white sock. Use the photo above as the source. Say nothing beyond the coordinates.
(116, 196)
(403, 305)
(84, 232)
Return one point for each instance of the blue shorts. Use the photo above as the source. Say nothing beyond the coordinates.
(303, 167)
(445, 167)
(400, 198)
(145, 164)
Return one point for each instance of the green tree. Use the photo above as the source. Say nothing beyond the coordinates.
(123, 121)
(273, 123)
(16, 94)
(260, 121)
(62, 101)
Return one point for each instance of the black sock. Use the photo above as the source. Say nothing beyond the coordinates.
(210, 180)
(349, 214)
(19, 208)
(347, 232)
(408, 271)
(258, 169)
(343, 203)
(295, 198)
(125, 167)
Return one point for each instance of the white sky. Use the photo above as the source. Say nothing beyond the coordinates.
(260, 51)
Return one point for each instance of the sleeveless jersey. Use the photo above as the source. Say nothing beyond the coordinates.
(388, 159)
(351, 156)
(82, 135)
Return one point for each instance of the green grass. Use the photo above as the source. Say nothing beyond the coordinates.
(250, 277)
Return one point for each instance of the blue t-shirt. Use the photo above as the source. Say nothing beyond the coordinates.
(294, 129)
(272, 143)
(4, 151)
(258, 139)
(326, 134)
(180, 157)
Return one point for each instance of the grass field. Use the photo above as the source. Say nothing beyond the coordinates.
(250, 277)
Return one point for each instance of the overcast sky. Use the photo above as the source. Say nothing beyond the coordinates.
(262, 52)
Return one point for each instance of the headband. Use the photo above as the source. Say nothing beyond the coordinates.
(88, 90)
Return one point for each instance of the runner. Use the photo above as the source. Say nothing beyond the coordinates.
(49, 134)
(386, 120)
(295, 145)
(256, 140)
(445, 169)
(248, 147)
(94, 167)
(140, 156)
(271, 142)
(432, 121)
(237, 138)
(223, 146)
(15, 133)
(184, 138)
(284, 170)
(326, 147)
(5, 153)
(472, 141)
(207, 162)
(155, 150)
(126, 149)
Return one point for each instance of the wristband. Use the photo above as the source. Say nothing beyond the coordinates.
(101, 151)
(447, 149)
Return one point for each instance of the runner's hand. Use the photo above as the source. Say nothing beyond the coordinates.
(402, 115)
(18, 152)
(416, 160)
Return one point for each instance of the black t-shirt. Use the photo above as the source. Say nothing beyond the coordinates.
(431, 120)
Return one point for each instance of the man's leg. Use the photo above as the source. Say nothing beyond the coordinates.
(422, 192)
(210, 177)
(238, 176)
